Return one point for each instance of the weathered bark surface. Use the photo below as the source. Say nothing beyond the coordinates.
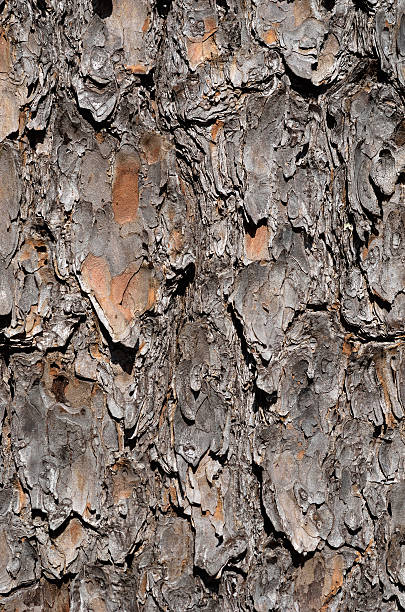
(202, 305)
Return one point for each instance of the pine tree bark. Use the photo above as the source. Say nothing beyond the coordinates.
(202, 305)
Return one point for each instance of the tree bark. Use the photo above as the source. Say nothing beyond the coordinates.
(202, 305)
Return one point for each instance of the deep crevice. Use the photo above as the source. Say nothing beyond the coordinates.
(102, 8)
(163, 8)
(378, 429)
(54, 533)
(263, 400)
(59, 385)
(301, 154)
(277, 538)
(147, 81)
(121, 355)
(330, 121)
(366, 337)
(304, 86)
(97, 125)
(41, 4)
(383, 304)
(223, 4)
(65, 579)
(35, 137)
(185, 279)
(236, 570)
(129, 440)
(37, 513)
(249, 360)
(211, 583)
(5, 320)
(129, 557)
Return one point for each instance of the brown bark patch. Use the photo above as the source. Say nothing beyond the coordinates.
(333, 580)
(218, 125)
(203, 48)
(176, 242)
(347, 348)
(119, 284)
(256, 243)
(302, 11)
(122, 297)
(58, 387)
(124, 481)
(71, 539)
(219, 510)
(152, 147)
(5, 57)
(146, 25)
(96, 273)
(34, 252)
(137, 69)
(22, 497)
(319, 579)
(32, 321)
(56, 597)
(270, 36)
(309, 584)
(126, 187)
(140, 294)
(77, 392)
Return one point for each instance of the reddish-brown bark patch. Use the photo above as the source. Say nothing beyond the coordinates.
(202, 48)
(270, 36)
(122, 297)
(256, 243)
(140, 294)
(152, 147)
(126, 187)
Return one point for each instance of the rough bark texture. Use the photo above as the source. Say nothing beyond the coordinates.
(202, 305)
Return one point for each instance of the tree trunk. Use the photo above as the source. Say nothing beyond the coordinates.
(202, 305)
